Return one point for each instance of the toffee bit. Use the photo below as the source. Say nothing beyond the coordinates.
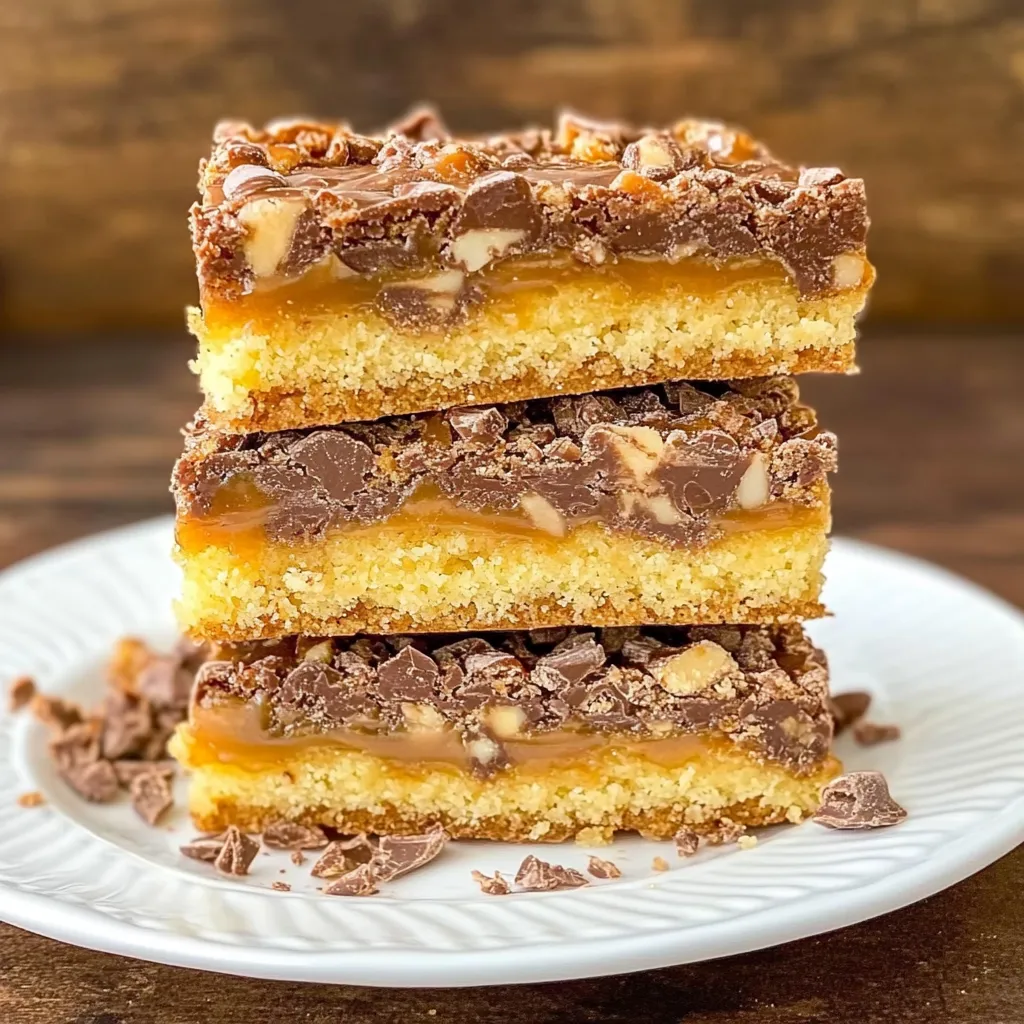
(31, 799)
(600, 868)
(493, 885)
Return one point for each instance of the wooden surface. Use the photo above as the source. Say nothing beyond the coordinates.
(932, 436)
(107, 105)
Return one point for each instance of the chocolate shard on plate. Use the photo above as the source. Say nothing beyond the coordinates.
(687, 841)
(96, 781)
(859, 800)
(398, 855)
(492, 885)
(848, 708)
(601, 868)
(237, 853)
(127, 770)
(205, 848)
(287, 835)
(281, 886)
(536, 875)
(342, 856)
(151, 796)
(360, 881)
(869, 734)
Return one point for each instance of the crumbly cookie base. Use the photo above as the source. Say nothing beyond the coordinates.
(588, 800)
(418, 579)
(314, 367)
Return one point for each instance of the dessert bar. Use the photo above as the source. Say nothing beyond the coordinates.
(679, 503)
(344, 277)
(545, 735)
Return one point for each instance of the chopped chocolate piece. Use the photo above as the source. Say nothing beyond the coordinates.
(127, 771)
(410, 675)
(54, 712)
(20, 693)
(338, 461)
(483, 427)
(237, 853)
(31, 799)
(281, 886)
(569, 664)
(868, 734)
(535, 875)
(398, 855)
(360, 881)
(298, 858)
(660, 864)
(492, 885)
(728, 831)
(165, 682)
(287, 835)
(151, 796)
(686, 841)
(205, 848)
(600, 868)
(858, 800)
(343, 855)
(96, 781)
(847, 708)
(127, 726)
(76, 745)
(421, 125)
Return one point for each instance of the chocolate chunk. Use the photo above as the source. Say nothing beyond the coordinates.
(410, 675)
(96, 781)
(374, 257)
(423, 305)
(501, 200)
(205, 848)
(535, 875)
(237, 853)
(165, 682)
(127, 727)
(600, 868)
(360, 881)
(398, 855)
(20, 693)
(77, 745)
(686, 841)
(421, 125)
(54, 712)
(339, 462)
(151, 796)
(858, 800)
(568, 666)
(246, 180)
(343, 855)
(847, 708)
(281, 886)
(127, 771)
(868, 734)
(287, 835)
(482, 427)
(492, 885)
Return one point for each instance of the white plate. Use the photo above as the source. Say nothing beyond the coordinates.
(943, 659)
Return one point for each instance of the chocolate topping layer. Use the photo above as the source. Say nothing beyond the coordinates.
(279, 200)
(665, 462)
(765, 688)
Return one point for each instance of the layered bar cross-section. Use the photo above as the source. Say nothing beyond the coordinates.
(546, 735)
(344, 277)
(677, 504)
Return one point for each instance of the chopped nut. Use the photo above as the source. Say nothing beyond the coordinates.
(847, 271)
(746, 842)
(506, 720)
(543, 514)
(479, 246)
(694, 668)
(270, 224)
(322, 652)
(754, 489)
(422, 717)
(639, 448)
(660, 506)
(483, 750)
(653, 156)
(637, 185)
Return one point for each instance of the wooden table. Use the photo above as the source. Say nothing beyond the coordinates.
(932, 445)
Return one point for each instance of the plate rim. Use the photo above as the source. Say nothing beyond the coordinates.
(85, 926)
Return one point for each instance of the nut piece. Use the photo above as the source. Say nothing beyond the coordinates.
(506, 720)
(693, 669)
(321, 652)
(754, 489)
(847, 271)
(639, 448)
(543, 514)
(476, 248)
(422, 717)
(270, 223)
(483, 750)
(653, 156)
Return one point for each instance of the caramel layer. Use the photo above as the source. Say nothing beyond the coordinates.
(322, 292)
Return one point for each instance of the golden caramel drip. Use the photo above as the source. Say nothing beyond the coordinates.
(320, 291)
(233, 734)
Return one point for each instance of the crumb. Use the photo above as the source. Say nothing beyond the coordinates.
(746, 842)
(31, 799)
(600, 868)
(298, 858)
(660, 864)
(281, 886)
(867, 734)
(21, 692)
(492, 885)
(687, 842)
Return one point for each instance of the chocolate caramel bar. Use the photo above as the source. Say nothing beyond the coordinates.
(680, 503)
(546, 735)
(346, 277)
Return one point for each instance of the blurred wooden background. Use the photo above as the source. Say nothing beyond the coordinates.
(106, 105)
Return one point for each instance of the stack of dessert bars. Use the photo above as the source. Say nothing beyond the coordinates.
(502, 511)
